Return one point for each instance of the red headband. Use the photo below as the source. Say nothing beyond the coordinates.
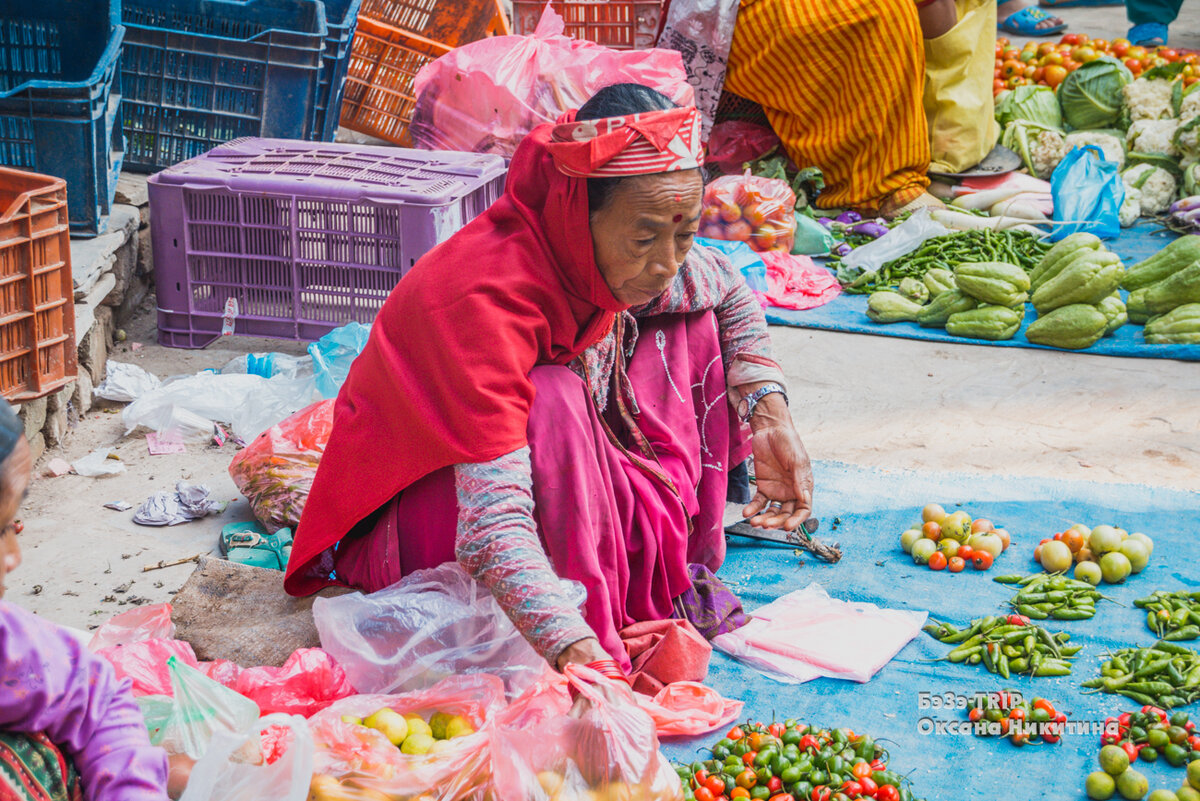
(641, 144)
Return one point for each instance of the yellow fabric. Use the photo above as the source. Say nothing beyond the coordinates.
(840, 81)
(958, 89)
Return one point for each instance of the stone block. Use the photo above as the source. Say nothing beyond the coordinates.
(132, 189)
(92, 258)
(144, 211)
(59, 400)
(56, 427)
(124, 265)
(33, 413)
(37, 446)
(145, 254)
(93, 350)
(82, 396)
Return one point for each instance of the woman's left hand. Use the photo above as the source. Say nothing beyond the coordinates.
(782, 471)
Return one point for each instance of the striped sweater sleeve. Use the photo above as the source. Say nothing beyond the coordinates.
(498, 544)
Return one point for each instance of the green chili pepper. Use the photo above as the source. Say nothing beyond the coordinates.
(1031, 612)
(1072, 614)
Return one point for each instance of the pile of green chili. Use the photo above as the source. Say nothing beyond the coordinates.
(1165, 675)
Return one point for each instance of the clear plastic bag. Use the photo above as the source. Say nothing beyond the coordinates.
(751, 209)
(702, 32)
(271, 760)
(611, 751)
(904, 238)
(333, 354)
(201, 709)
(359, 757)
(268, 365)
(430, 625)
(143, 623)
(124, 383)
(1088, 193)
(485, 96)
(275, 472)
(145, 663)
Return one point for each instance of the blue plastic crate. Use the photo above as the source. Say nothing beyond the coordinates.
(198, 73)
(341, 16)
(59, 96)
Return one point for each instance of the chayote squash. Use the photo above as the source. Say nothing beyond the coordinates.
(1113, 308)
(1181, 253)
(1174, 290)
(1065, 249)
(985, 322)
(993, 282)
(1087, 280)
(940, 308)
(915, 290)
(1073, 327)
(1072, 261)
(938, 281)
(1180, 326)
(1135, 306)
(886, 306)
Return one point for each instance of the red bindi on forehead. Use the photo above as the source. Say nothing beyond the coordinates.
(677, 218)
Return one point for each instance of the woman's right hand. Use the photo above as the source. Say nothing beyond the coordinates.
(581, 653)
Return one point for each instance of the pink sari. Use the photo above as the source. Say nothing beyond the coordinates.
(625, 500)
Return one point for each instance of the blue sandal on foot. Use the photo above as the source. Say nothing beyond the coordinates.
(250, 544)
(1025, 23)
(1078, 3)
(1148, 34)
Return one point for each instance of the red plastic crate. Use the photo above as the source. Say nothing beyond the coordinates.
(379, 97)
(304, 236)
(450, 23)
(37, 296)
(619, 24)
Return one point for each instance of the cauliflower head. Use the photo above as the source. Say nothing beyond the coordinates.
(1131, 207)
(1156, 186)
(1148, 99)
(1189, 107)
(1187, 142)
(1111, 146)
(1047, 151)
(1153, 136)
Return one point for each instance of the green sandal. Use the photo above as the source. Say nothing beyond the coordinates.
(250, 544)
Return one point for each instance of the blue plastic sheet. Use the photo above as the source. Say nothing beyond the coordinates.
(870, 509)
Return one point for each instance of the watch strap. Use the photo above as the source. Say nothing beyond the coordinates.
(751, 401)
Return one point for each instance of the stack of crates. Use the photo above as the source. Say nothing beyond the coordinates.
(198, 73)
(395, 39)
(619, 24)
(60, 95)
(289, 239)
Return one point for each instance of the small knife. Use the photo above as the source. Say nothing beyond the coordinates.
(791, 539)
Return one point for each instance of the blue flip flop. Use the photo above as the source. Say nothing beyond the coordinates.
(1148, 34)
(1078, 3)
(1025, 21)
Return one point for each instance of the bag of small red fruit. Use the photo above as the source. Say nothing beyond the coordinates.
(751, 209)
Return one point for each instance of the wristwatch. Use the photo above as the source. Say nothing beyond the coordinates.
(745, 409)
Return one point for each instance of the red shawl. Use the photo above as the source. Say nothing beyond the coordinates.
(444, 378)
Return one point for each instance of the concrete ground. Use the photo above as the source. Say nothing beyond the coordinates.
(876, 401)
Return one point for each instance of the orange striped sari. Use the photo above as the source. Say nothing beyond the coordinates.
(840, 82)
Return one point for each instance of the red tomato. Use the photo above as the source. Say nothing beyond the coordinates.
(716, 785)
(739, 231)
(1011, 67)
(730, 212)
(764, 239)
(878, 764)
(736, 733)
(1017, 714)
(869, 787)
(1074, 39)
(819, 793)
(747, 779)
(775, 784)
(1119, 48)
(965, 552)
(1054, 74)
(1134, 66)
(981, 560)
(777, 729)
(1043, 704)
(938, 561)
(808, 741)
(754, 215)
(700, 777)
(1168, 54)
(1131, 751)
(748, 758)
(932, 531)
(704, 794)
(975, 714)
(861, 770)
(887, 792)
(956, 564)
(739, 792)
(783, 797)
(1194, 742)
(851, 789)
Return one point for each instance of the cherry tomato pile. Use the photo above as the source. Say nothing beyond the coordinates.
(1150, 735)
(1048, 63)
(793, 761)
(1004, 714)
(952, 541)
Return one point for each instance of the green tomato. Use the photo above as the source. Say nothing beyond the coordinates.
(922, 549)
(906, 541)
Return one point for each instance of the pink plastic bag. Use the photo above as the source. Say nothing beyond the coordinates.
(735, 142)
(796, 283)
(309, 681)
(752, 209)
(485, 96)
(355, 756)
(142, 623)
(807, 634)
(145, 663)
(688, 708)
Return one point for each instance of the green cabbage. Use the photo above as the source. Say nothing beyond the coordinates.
(1091, 95)
(1032, 104)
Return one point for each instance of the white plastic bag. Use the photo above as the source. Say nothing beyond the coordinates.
(125, 383)
(249, 403)
(904, 238)
(430, 625)
(97, 464)
(239, 767)
(807, 634)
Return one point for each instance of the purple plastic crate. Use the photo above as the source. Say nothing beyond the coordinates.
(305, 236)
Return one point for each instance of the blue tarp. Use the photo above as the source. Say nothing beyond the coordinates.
(872, 508)
(849, 313)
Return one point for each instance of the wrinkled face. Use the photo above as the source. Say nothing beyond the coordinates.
(644, 232)
(14, 480)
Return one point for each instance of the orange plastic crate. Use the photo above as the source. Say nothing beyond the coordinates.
(379, 97)
(451, 23)
(37, 296)
(619, 24)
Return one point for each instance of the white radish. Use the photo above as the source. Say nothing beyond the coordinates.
(1019, 207)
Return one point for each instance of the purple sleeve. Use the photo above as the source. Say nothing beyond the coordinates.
(50, 683)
